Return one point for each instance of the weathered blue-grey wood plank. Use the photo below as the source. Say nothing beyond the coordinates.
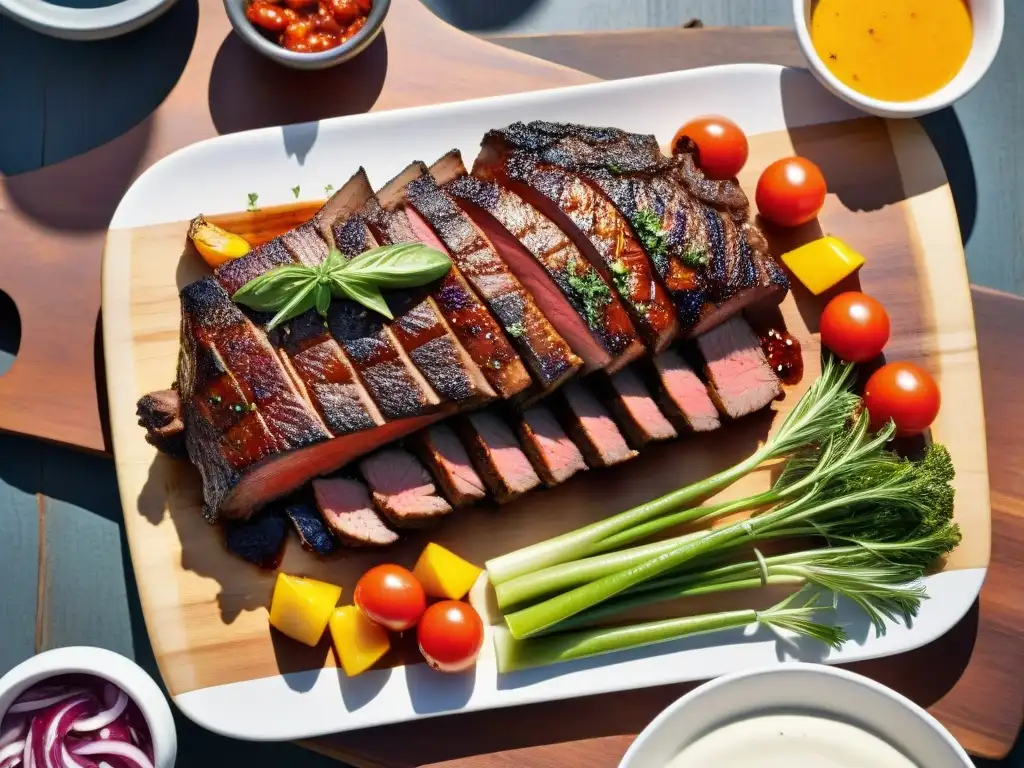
(22, 89)
(83, 564)
(19, 548)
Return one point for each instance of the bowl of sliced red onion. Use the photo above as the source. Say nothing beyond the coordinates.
(84, 708)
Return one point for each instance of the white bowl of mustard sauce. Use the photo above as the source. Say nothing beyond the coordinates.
(899, 58)
(794, 715)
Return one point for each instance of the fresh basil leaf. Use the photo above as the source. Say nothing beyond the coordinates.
(406, 265)
(271, 291)
(301, 301)
(366, 293)
(323, 298)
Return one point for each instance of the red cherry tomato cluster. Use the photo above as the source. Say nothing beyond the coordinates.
(790, 192)
(450, 633)
(856, 328)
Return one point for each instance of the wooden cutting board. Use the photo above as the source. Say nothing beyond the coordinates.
(206, 611)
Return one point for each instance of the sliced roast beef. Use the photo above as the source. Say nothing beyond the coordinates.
(635, 410)
(497, 456)
(555, 457)
(442, 453)
(741, 379)
(353, 370)
(682, 394)
(240, 405)
(280, 474)
(480, 334)
(548, 357)
(402, 489)
(595, 227)
(592, 429)
(419, 326)
(687, 225)
(313, 532)
(260, 539)
(726, 195)
(346, 507)
(568, 288)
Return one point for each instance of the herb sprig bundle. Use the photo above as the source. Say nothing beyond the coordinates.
(291, 290)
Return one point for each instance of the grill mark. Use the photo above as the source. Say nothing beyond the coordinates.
(545, 353)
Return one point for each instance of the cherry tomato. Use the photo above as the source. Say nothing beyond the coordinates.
(905, 393)
(791, 192)
(390, 596)
(722, 144)
(450, 636)
(855, 326)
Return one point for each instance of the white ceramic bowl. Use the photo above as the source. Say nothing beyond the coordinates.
(810, 688)
(84, 23)
(987, 16)
(122, 672)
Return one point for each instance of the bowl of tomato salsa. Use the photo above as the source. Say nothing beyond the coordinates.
(308, 34)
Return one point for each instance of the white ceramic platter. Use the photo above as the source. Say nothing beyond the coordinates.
(216, 175)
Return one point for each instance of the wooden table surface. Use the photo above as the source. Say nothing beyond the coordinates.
(60, 505)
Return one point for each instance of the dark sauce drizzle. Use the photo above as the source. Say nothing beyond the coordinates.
(784, 355)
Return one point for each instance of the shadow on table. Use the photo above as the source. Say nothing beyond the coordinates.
(248, 91)
(68, 97)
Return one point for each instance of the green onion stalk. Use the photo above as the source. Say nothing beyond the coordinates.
(878, 497)
(842, 453)
(825, 408)
(514, 654)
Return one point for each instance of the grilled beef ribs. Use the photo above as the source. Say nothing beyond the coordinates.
(548, 357)
(497, 456)
(555, 457)
(346, 507)
(402, 489)
(446, 458)
(741, 379)
(471, 322)
(690, 229)
(595, 227)
(682, 394)
(312, 529)
(592, 429)
(635, 410)
(555, 214)
(568, 289)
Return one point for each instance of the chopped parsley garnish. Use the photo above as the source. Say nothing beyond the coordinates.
(516, 330)
(591, 291)
(295, 191)
(253, 198)
(328, 190)
(618, 267)
(615, 169)
(695, 257)
(648, 230)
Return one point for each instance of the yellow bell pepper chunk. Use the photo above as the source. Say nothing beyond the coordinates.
(302, 607)
(359, 642)
(444, 574)
(215, 244)
(822, 263)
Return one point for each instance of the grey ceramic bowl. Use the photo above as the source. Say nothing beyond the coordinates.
(320, 60)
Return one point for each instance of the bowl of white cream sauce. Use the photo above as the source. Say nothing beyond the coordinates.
(795, 715)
